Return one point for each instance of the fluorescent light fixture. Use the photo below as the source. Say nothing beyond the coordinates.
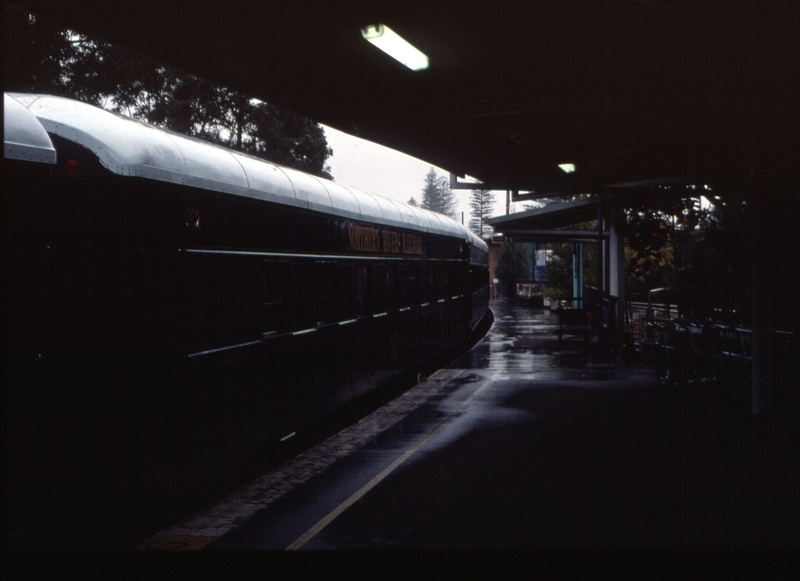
(395, 46)
(567, 167)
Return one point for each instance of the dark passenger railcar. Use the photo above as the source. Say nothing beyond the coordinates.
(173, 307)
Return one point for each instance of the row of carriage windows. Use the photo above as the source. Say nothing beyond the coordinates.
(229, 303)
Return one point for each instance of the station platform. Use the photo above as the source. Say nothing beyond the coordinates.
(514, 446)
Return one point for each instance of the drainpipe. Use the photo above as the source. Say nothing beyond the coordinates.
(601, 356)
(761, 369)
(577, 273)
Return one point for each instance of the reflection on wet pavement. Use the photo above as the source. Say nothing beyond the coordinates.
(522, 339)
(507, 449)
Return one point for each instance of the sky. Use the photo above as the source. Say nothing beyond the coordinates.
(380, 170)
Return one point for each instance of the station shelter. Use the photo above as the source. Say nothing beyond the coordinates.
(556, 223)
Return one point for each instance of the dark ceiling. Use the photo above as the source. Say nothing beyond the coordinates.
(629, 91)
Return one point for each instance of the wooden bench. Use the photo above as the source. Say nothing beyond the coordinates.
(573, 322)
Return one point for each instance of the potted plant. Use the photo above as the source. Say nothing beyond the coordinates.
(553, 296)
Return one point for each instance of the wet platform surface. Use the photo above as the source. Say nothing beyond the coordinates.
(511, 448)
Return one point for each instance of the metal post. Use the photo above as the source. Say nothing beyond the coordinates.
(577, 273)
(601, 355)
(616, 249)
(761, 305)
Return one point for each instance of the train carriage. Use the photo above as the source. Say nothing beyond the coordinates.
(172, 305)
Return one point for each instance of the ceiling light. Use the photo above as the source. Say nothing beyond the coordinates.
(567, 167)
(395, 46)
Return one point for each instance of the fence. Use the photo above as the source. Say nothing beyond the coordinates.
(717, 358)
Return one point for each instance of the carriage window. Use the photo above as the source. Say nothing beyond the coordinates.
(424, 283)
(392, 292)
(406, 285)
(222, 302)
(378, 288)
(441, 281)
(302, 287)
(361, 291)
(274, 280)
(347, 292)
(325, 289)
(458, 279)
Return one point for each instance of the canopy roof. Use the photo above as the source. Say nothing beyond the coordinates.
(550, 216)
(541, 224)
(632, 92)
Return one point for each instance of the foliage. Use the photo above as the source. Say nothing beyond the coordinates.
(413, 202)
(33, 53)
(559, 268)
(437, 195)
(559, 271)
(702, 255)
(713, 270)
(535, 205)
(650, 233)
(512, 262)
(481, 203)
(553, 293)
(42, 58)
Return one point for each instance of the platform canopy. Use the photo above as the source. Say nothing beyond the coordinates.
(629, 92)
(549, 222)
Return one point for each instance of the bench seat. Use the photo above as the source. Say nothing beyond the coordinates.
(573, 322)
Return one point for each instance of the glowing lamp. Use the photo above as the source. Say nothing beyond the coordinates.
(395, 46)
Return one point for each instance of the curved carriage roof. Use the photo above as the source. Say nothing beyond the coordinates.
(24, 137)
(129, 147)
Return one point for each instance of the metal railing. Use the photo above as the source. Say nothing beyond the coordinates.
(689, 353)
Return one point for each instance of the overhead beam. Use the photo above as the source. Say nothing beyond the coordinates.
(552, 235)
(515, 188)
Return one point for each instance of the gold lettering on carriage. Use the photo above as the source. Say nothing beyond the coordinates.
(369, 239)
(363, 238)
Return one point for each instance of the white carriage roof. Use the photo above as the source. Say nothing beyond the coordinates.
(24, 136)
(133, 148)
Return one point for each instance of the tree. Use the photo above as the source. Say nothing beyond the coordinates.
(447, 197)
(41, 57)
(560, 265)
(559, 270)
(437, 195)
(33, 52)
(412, 202)
(512, 262)
(703, 256)
(481, 203)
(713, 265)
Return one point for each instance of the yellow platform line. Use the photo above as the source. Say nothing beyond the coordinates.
(356, 496)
